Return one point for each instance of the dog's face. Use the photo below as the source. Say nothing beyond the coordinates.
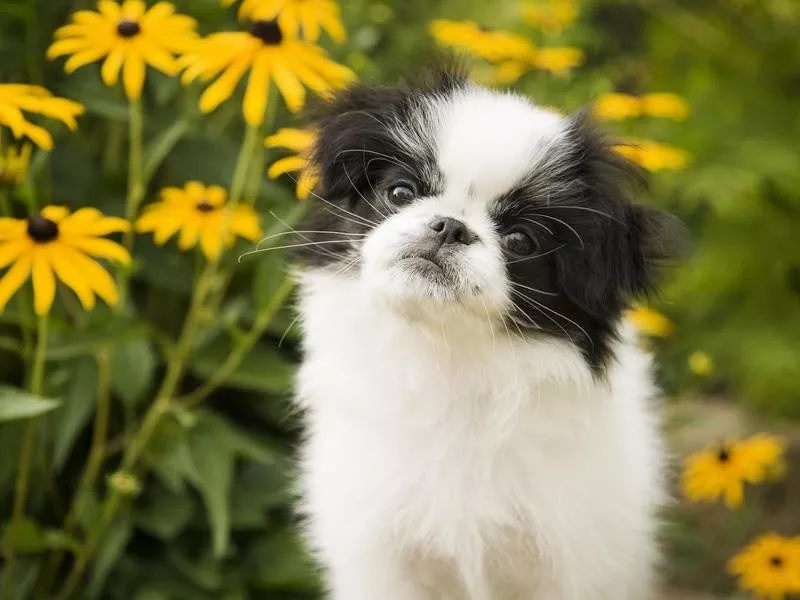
(454, 197)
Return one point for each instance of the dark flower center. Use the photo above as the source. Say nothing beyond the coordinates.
(776, 561)
(42, 230)
(204, 206)
(484, 28)
(127, 28)
(267, 31)
(724, 455)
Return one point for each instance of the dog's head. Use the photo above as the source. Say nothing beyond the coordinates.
(450, 196)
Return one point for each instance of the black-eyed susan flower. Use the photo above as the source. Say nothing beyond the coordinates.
(701, 364)
(650, 322)
(769, 567)
(551, 16)
(618, 107)
(652, 155)
(481, 42)
(14, 166)
(665, 105)
(56, 245)
(200, 214)
(557, 60)
(723, 470)
(129, 37)
(17, 99)
(271, 54)
(309, 16)
(300, 142)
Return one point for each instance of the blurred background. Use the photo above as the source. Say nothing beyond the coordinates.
(208, 512)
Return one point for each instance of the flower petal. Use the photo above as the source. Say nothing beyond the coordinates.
(44, 282)
(73, 279)
(100, 248)
(190, 231)
(133, 72)
(13, 279)
(293, 139)
(95, 275)
(80, 59)
(286, 165)
(211, 243)
(289, 86)
(245, 224)
(55, 213)
(112, 65)
(224, 86)
(257, 94)
(11, 251)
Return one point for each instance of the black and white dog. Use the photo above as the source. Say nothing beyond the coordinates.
(478, 418)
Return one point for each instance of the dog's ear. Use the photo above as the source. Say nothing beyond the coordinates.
(626, 243)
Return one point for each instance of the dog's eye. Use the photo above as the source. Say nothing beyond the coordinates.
(519, 243)
(401, 192)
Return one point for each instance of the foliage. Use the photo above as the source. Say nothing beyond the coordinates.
(149, 456)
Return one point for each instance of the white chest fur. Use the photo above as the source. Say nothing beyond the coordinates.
(447, 459)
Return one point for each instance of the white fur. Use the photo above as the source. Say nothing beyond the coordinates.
(447, 458)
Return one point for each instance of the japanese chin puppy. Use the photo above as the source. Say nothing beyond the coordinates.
(480, 423)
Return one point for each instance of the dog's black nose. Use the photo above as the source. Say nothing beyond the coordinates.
(451, 231)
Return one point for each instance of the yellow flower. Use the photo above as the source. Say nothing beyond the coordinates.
(469, 37)
(617, 107)
(505, 73)
(700, 363)
(271, 54)
(665, 105)
(57, 245)
(769, 566)
(557, 60)
(652, 155)
(311, 16)
(14, 166)
(300, 142)
(16, 98)
(723, 470)
(551, 16)
(200, 214)
(650, 322)
(130, 37)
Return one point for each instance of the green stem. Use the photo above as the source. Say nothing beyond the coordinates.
(5, 204)
(135, 183)
(263, 319)
(25, 459)
(169, 386)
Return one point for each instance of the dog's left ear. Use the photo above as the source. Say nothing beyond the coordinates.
(626, 243)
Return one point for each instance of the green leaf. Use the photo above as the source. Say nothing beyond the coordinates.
(77, 409)
(269, 274)
(80, 343)
(240, 442)
(163, 513)
(18, 404)
(26, 536)
(280, 561)
(169, 454)
(257, 489)
(160, 147)
(133, 365)
(263, 369)
(213, 461)
(109, 552)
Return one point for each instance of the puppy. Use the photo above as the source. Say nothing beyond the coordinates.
(479, 422)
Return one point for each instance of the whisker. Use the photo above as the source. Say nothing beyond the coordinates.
(274, 248)
(547, 229)
(292, 229)
(388, 157)
(525, 287)
(538, 255)
(363, 197)
(565, 224)
(365, 221)
(537, 306)
(558, 314)
(586, 208)
(292, 323)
